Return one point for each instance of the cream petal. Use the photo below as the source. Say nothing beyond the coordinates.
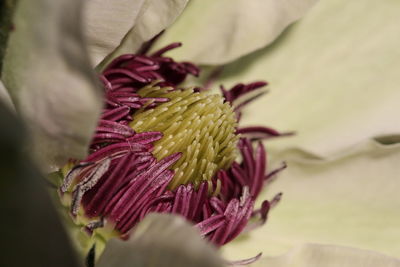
(352, 201)
(333, 78)
(31, 233)
(217, 32)
(318, 255)
(126, 24)
(5, 97)
(161, 240)
(48, 75)
(107, 22)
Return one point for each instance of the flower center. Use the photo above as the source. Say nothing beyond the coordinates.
(197, 124)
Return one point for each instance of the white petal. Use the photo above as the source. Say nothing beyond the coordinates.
(108, 23)
(5, 97)
(161, 240)
(217, 32)
(31, 231)
(317, 255)
(353, 201)
(333, 77)
(48, 75)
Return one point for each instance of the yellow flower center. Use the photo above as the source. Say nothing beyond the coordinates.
(198, 124)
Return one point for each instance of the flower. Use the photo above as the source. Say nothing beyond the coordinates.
(160, 148)
(318, 43)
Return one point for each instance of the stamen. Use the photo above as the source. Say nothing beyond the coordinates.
(274, 172)
(114, 127)
(165, 49)
(115, 114)
(72, 175)
(211, 224)
(87, 183)
(90, 227)
(261, 132)
(245, 261)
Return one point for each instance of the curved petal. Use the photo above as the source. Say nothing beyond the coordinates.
(5, 97)
(352, 201)
(217, 32)
(317, 255)
(108, 23)
(31, 232)
(161, 240)
(334, 77)
(48, 75)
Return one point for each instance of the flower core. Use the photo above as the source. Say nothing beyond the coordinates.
(161, 148)
(199, 125)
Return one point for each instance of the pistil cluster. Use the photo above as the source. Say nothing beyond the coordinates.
(162, 148)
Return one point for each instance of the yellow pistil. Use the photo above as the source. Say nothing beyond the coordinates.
(198, 124)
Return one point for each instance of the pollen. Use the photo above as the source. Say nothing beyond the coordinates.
(197, 124)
